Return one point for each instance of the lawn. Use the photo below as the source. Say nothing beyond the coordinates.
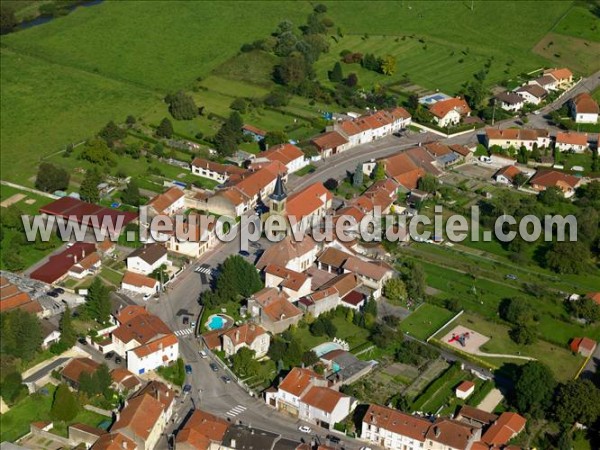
(305, 170)
(27, 208)
(425, 321)
(580, 22)
(346, 331)
(36, 407)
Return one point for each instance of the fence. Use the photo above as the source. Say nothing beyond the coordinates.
(445, 325)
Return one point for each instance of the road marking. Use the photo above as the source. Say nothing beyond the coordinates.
(236, 410)
(185, 332)
(206, 270)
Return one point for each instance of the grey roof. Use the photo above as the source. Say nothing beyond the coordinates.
(149, 253)
(510, 98)
(533, 89)
(279, 191)
(448, 158)
(247, 438)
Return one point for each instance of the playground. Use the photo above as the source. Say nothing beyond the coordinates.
(465, 339)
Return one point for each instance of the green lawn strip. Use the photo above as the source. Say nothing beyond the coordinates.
(33, 208)
(449, 378)
(579, 22)
(305, 170)
(112, 276)
(175, 373)
(480, 393)
(425, 321)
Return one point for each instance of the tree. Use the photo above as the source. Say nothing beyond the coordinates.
(568, 257)
(551, 196)
(97, 152)
(358, 177)
(402, 403)
(413, 276)
(534, 388)
(379, 172)
(20, 334)
(320, 8)
(181, 106)
(277, 349)
(336, 75)
(323, 326)
(238, 277)
(165, 129)
(584, 308)
(292, 70)
(240, 105)
(131, 194)
(12, 385)
(515, 311)
(8, 20)
(87, 384)
(388, 65)
(97, 304)
(275, 138)
(64, 406)
(523, 334)
(310, 358)
(577, 401)
(244, 363)
(51, 178)
(103, 380)
(130, 120)
(520, 179)
(68, 336)
(395, 290)
(112, 133)
(331, 184)
(428, 183)
(88, 190)
(352, 80)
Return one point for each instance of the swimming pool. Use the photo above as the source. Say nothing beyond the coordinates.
(216, 322)
(326, 347)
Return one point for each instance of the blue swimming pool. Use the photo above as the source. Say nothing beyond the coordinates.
(326, 347)
(216, 322)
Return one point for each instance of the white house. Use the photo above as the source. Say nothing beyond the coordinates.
(154, 354)
(248, 335)
(86, 266)
(393, 429)
(292, 283)
(170, 202)
(142, 284)
(331, 143)
(532, 93)
(584, 108)
(547, 82)
(510, 101)
(464, 389)
(506, 175)
(513, 137)
(294, 255)
(215, 171)
(450, 111)
(147, 259)
(289, 155)
(571, 141)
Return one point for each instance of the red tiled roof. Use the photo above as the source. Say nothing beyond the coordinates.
(246, 333)
(323, 398)
(585, 104)
(329, 140)
(354, 298)
(554, 178)
(284, 153)
(114, 441)
(451, 433)
(307, 201)
(510, 172)
(201, 429)
(163, 201)
(255, 130)
(561, 74)
(397, 422)
(142, 328)
(465, 386)
(136, 279)
(291, 279)
(583, 343)
(58, 265)
(285, 250)
(11, 297)
(572, 138)
(594, 296)
(77, 366)
(504, 429)
(155, 345)
(298, 380)
(67, 207)
(343, 284)
(443, 107)
(139, 416)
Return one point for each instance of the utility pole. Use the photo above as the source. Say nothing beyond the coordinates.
(493, 111)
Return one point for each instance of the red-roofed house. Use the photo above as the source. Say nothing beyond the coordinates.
(393, 429)
(584, 108)
(584, 346)
(507, 174)
(563, 76)
(168, 203)
(308, 204)
(504, 429)
(450, 111)
(464, 389)
(287, 154)
(571, 141)
(273, 310)
(248, 335)
(294, 284)
(330, 143)
(11, 297)
(215, 171)
(202, 431)
(545, 179)
(142, 284)
(78, 261)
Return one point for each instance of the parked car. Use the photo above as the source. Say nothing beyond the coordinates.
(109, 355)
(52, 293)
(59, 290)
(511, 276)
(82, 340)
(187, 388)
(214, 367)
(244, 253)
(203, 354)
(226, 379)
(118, 359)
(304, 429)
(333, 439)
(188, 369)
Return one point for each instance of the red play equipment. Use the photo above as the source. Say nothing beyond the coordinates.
(460, 338)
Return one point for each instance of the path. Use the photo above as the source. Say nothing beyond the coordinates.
(27, 189)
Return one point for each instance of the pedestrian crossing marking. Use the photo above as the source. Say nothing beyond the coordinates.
(236, 410)
(185, 332)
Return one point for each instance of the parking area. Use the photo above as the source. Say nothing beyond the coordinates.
(477, 170)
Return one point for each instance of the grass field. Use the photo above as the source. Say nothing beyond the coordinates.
(579, 22)
(425, 321)
(27, 208)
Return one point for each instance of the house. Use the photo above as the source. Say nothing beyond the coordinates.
(595, 296)
(379, 197)
(12, 297)
(475, 417)
(408, 167)
(293, 284)
(147, 258)
(584, 346)
(393, 429)
(144, 340)
(169, 203)
(291, 254)
(510, 101)
(345, 367)
(114, 441)
(161, 392)
(443, 154)
(505, 428)
(287, 154)
(320, 302)
(142, 420)
(289, 392)
(67, 262)
(571, 141)
(308, 205)
(248, 335)
(330, 143)
(464, 389)
(446, 434)
(552, 178)
(81, 433)
(77, 366)
(221, 173)
(141, 284)
(532, 93)
(256, 133)
(507, 174)
(124, 380)
(273, 310)
(584, 108)
(88, 265)
(463, 151)
(516, 138)
(548, 82)
(449, 112)
(202, 431)
(563, 77)
(50, 333)
(197, 235)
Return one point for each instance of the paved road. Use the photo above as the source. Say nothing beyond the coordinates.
(46, 370)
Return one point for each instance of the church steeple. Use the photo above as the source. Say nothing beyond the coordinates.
(278, 197)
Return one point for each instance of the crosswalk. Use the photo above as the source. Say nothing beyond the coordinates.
(184, 332)
(205, 270)
(236, 410)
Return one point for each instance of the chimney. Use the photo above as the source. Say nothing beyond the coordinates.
(232, 444)
(124, 444)
(437, 432)
(237, 335)
(83, 253)
(75, 259)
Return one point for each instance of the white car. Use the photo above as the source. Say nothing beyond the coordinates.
(365, 448)
(203, 354)
(304, 429)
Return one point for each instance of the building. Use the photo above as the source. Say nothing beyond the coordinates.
(221, 173)
(256, 133)
(11, 297)
(308, 205)
(248, 335)
(506, 175)
(532, 93)
(291, 254)
(144, 340)
(273, 310)
(449, 112)
(77, 366)
(584, 108)
(563, 77)
(287, 154)
(68, 262)
(571, 141)
(124, 380)
(552, 178)
(50, 333)
(330, 143)
(138, 283)
(464, 389)
(202, 431)
(505, 428)
(510, 101)
(320, 302)
(147, 258)
(169, 203)
(583, 346)
(393, 429)
(293, 284)
(548, 82)
(114, 441)
(517, 138)
(407, 167)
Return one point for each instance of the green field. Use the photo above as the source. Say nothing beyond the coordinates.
(425, 321)
(30, 204)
